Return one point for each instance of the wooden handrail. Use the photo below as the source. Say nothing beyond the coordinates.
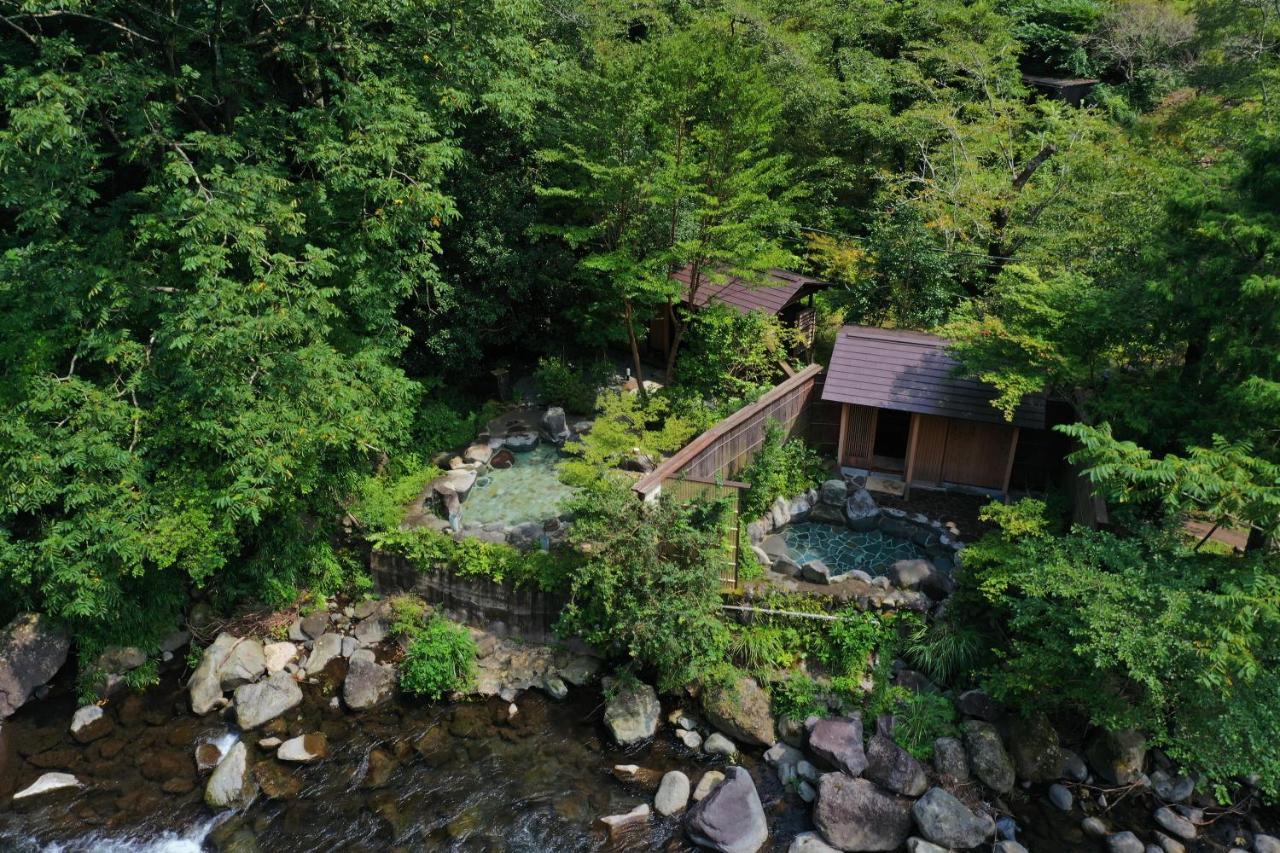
(671, 466)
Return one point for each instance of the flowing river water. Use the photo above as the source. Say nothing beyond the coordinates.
(409, 776)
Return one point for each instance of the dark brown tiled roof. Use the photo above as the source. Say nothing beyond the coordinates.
(912, 372)
(782, 289)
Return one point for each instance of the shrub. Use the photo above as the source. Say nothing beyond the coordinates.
(624, 425)
(731, 357)
(440, 659)
(560, 383)
(431, 550)
(797, 697)
(920, 719)
(760, 649)
(781, 468)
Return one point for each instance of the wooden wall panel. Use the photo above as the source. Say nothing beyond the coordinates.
(977, 454)
(859, 436)
(931, 447)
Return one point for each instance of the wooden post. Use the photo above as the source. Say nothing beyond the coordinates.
(1008, 468)
(844, 425)
(913, 436)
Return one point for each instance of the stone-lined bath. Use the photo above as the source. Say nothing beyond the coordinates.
(844, 550)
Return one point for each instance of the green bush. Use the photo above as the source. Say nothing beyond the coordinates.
(781, 468)
(560, 383)
(920, 719)
(431, 550)
(731, 357)
(797, 697)
(440, 659)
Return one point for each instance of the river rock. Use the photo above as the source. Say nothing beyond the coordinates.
(304, 749)
(244, 663)
(208, 755)
(919, 845)
(730, 819)
(718, 744)
(1172, 789)
(1094, 827)
(632, 711)
(90, 723)
(741, 711)
(673, 794)
(989, 761)
(949, 759)
(837, 743)
(691, 740)
(945, 820)
(1008, 846)
(1125, 842)
(707, 784)
(480, 452)
(276, 781)
(368, 683)
(833, 492)
(1073, 767)
(642, 776)
(278, 655)
(266, 700)
(1175, 824)
(616, 823)
(976, 703)
(854, 814)
(810, 842)
(231, 784)
(47, 784)
(371, 631)
(1033, 746)
(892, 767)
(1061, 797)
(327, 647)
(205, 683)
(32, 650)
(1118, 756)
(502, 459)
(815, 571)
(1266, 844)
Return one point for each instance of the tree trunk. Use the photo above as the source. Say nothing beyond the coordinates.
(635, 351)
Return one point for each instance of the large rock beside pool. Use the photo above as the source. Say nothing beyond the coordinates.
(837, 743)
(266, 700)
(729, 819)
(854, 814)
(815, 571)
(860, 511)
(555, 426)
(741, 710)
(909, 574)
(520, 442)
(502, 459)
(480, 452)
(32, 650)
(631, 711)
(461, 481)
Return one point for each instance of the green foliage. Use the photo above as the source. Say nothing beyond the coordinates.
(560, 383)
(732, 357)
(781, 468)
(649, 582)
(501, 563)
(624, 426)
(761, 650)
(381, 498)
(1134, 631)
(945, 648)
(796, 696)
(920, 719)
(439, 660)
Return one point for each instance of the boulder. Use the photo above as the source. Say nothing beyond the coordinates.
(909, 574)
(919, 845)
(479, 452)
(278, 655)
(854, 814)
(32, 650)
(90, 723)
(304, 749)
(946, 821)
(815, 571)
(833, 492)
(1061, 797)
(461, 481)
(208, 755)
(1118, 757)
(1125, 842)
(673, 794)
(860, 511)
(645, 777)
(555, 425)
(502, 459)
(368, 683)
(327, 647)
(892, 767)
(987, 758)
(707, 784)
(976, 703)
(810, 842)
(371, 631)
(741, 711)
(730, 819)
(205, 683)
(631, 712)
(1033, 746)
(837, 743)
(949, 759)
(1172, 789)
(47, 784)
(520, 441)
(244, 663)
(691, 740)
(231, 784)
(1175, 824)
(266, 700)
(718, 744)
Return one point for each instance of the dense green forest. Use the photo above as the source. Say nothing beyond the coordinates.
(253, 254)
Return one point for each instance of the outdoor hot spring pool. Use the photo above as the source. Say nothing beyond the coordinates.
(844, 550)
(530, 490)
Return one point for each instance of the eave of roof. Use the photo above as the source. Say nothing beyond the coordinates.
(785, 289)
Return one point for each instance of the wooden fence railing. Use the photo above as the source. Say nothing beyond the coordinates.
(685, 489)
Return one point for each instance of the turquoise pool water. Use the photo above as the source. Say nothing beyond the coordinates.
(530, 490)
(844, 550)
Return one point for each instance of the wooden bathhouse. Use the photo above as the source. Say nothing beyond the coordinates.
(785, 295)
(905, 412)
